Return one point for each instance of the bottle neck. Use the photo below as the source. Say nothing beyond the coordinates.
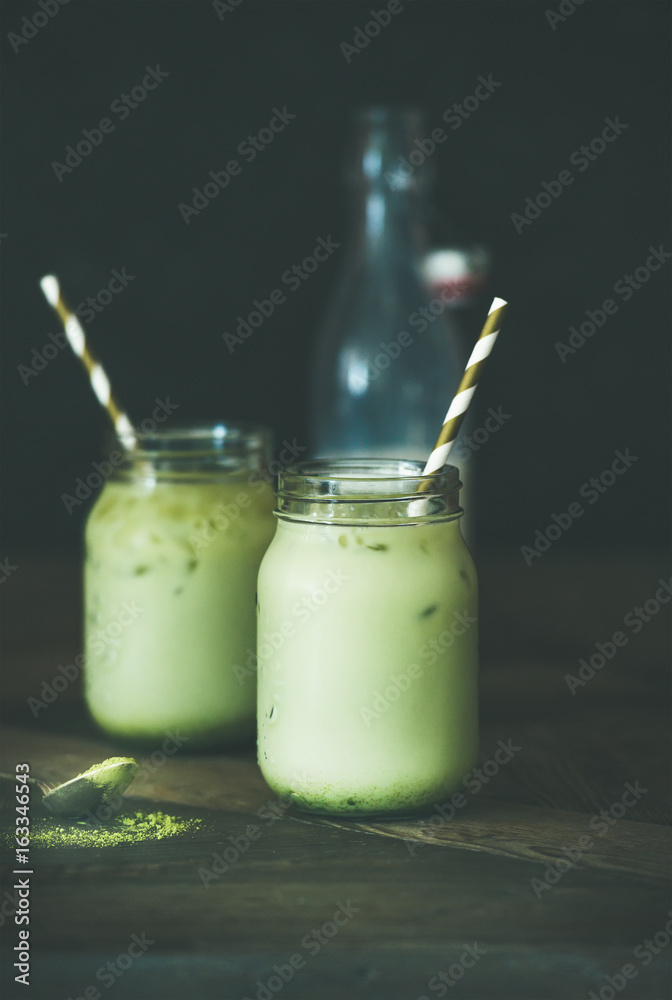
(389, 184)
(388, 225)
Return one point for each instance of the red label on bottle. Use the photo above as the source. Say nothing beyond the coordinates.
(458, 291)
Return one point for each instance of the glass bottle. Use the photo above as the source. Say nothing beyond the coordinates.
(173, 545)
(367, 639)
(389, 354)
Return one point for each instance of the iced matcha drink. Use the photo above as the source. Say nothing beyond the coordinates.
(367, 644)
(170, 580)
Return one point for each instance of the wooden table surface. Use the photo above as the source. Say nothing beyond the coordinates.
(481, 904)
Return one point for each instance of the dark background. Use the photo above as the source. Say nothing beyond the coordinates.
(162, 335)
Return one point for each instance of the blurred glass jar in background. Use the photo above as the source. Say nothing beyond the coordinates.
(173, 546)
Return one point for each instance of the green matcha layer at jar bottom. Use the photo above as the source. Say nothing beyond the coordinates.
(389, 802)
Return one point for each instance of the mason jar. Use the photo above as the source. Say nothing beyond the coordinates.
(173, 546)
(367, 639)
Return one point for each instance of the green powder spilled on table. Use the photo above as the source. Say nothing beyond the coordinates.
(131, 829)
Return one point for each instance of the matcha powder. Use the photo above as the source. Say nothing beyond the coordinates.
(104, 779)
(131, 829)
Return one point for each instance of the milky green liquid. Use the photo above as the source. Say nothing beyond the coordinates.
(170, 583)
(367, 695)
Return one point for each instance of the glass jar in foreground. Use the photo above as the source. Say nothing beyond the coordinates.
(367, 639)
(173, 546)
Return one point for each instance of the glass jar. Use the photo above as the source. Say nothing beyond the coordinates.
(367, 639)
(173, 546)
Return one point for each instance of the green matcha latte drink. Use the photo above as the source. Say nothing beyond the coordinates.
(367, 639)
(173, 547)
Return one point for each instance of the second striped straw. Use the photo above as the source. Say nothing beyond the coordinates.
(467, 387)
(99, 380)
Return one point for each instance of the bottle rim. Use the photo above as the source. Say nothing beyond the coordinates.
(380, 137)
(383, 114)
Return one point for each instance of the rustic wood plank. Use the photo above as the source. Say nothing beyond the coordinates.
(513, 830)
(294, 874)
(345, 970)
(414, 913)
(480, 823)
(423, 890)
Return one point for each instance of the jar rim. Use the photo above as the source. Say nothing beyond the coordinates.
(348, 479)
(198, 438)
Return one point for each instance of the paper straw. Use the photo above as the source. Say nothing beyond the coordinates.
(467, 387)
(99, 380)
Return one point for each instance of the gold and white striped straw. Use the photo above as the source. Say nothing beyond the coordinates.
(99, 380)
(467, 387)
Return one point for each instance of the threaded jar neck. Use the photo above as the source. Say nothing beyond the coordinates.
(357, 491)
